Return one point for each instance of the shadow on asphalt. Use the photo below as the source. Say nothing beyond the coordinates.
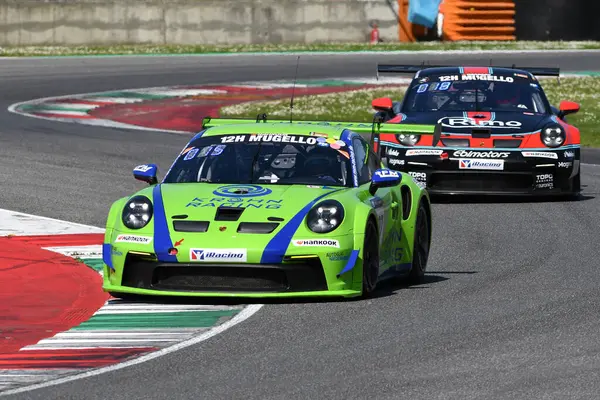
(386, 288)
(490, 199)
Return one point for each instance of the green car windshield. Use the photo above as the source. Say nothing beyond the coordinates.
(281, 159)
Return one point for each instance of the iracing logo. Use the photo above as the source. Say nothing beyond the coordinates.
(238, 255)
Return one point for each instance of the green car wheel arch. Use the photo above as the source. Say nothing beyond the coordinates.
(241, 213)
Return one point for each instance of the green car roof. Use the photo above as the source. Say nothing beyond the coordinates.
(295, 128)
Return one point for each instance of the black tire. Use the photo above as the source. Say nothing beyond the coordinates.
(421, 247)
(370, 260)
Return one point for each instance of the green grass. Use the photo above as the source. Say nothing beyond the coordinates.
(356, 105)
(129, 49)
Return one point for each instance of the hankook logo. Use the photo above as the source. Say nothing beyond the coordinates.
(480, 154)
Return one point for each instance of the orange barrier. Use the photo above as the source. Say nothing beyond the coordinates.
(478, 19)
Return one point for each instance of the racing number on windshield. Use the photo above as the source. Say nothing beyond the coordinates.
(232, 139)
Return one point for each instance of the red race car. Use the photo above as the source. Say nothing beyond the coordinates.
(499, 134)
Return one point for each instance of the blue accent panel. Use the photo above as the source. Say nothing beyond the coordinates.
(162, 238)
(106, 255)
(145, 172)
(346, 137)
(276, 248)
(198, 135)
(351, 263)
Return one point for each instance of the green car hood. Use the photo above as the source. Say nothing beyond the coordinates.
(285, 205)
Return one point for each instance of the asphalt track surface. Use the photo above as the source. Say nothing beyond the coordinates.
(510, 308)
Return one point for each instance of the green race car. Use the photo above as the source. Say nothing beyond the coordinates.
(269, 209)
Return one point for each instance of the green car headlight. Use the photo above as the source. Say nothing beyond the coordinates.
(325, 216)
(137, 212)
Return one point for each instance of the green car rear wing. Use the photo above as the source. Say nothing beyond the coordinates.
(375, 128)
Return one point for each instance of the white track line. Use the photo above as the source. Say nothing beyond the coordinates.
(242, 316)
(15, 221)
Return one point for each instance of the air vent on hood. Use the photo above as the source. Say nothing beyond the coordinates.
(225, 213)
(257, 227)
(190, 226)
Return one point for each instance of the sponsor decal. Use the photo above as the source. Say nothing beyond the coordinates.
(469, 122)
(270, 137)
(224, 255)
(218, 150)
(544, 181)
(419, 175)
(316, 243)
(205, 150)
(395, 161)
(565, 164)
(423, 152)
(191, 154)
(116, 252)
(477, 77)
(143, 168)
(214, 202)
(319, 134)
(569, 155)
(480, 154)
(521, 75)
(481, 164)
(391, 250)
(242, 191)
(354, 168)
(133, 239)
(392, 152)
(387, 173)
(549, 185)
(540, 154)
(338, 256)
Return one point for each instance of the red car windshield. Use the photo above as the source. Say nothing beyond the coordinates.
(488, 93)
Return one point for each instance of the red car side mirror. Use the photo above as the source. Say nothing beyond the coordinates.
(568, 107)
(382, 103)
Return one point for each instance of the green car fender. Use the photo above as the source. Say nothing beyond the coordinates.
(362, 214)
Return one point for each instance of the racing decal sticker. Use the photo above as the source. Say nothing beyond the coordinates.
(218, 150)
(324, 135)
(540, 154)
(391, 152)
(186, 150)
(396, 161)
(205, 151)
(224, 255)
(192, 153)
(387, 173)
(423, 152)
(143, 168)
(469, 122)
(270, 137)
(477, 77)
(496, 165)
(420, 178)
(338, 256)
(316, 243)
(241, 191)
(544, 181)
(569, 155)
(480, 154)
(133, 239)
(565, 164)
